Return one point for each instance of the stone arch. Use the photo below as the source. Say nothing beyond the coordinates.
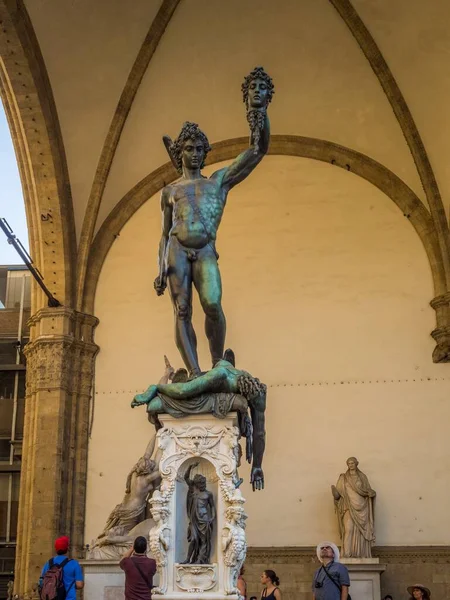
(143, 58)
(28, 101)
(405, 120)
(354, 162)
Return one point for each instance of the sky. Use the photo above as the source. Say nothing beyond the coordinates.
(12, 207)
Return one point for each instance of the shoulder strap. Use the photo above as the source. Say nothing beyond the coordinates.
(332, 579)
(70, 587)
(142, 574)
(64, 563)
(50, 563)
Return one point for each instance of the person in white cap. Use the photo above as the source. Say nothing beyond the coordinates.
(331, 581)
(419, 592)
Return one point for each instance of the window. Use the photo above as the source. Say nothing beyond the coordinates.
(7, 384)
(9, 506)
(14, 283)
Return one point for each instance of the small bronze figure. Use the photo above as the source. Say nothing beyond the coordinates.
(201, 514)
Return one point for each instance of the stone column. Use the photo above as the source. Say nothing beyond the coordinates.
(60, 367)
(441, 334)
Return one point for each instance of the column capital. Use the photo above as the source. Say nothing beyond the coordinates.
(441, 304)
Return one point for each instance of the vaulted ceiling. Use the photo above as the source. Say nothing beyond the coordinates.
(370, 75)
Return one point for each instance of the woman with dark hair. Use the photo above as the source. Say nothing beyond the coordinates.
(419, 592)
(388, 597)
(270, 582)
(242, 584)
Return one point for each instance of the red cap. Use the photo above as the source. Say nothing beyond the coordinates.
(62, 544)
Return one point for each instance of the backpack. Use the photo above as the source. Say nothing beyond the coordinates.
(53, 583)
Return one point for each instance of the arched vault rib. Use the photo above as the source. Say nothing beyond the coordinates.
(406, 122)
(355, 162)
(129, 92)
(30, 109)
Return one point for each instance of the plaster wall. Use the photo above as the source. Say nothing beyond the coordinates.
(326, 292)
(89, 49)
(325, 87)
(415, 42)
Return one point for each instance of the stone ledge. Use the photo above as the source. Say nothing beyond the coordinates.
(101, 566)
(425, 554)
(360, 561)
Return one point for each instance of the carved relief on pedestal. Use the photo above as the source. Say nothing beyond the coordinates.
(181, 443)
(234, 544)
(160, 537)
(195, 579)
(197, 441)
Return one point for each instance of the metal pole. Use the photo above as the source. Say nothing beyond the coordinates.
(17, 245)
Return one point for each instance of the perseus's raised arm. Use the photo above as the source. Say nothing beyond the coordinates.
(244, 164)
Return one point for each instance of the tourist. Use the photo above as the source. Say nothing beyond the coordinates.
(139, 571)
(270, 582)
(419, 592)
(241, 583)
(388, 597)
(10, 588)
(61, 572)
(331, 581)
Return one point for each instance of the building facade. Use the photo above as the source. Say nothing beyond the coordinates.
(15, 306)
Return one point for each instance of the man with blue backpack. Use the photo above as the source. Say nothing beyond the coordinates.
(61, 576)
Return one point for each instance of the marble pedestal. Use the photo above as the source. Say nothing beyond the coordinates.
(364, 577)
(103, 580)
(213, 443)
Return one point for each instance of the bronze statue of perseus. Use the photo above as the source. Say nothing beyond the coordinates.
(192, 209)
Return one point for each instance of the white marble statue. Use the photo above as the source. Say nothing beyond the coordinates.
(160, 535)
(354, 502)
(234, 545)
(123, 523)
(128, 519)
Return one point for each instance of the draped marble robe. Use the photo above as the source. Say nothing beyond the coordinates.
(355, 510)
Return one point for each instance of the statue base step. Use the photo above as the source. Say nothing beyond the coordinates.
(364, 577)
(183, 596)
(103, 580)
